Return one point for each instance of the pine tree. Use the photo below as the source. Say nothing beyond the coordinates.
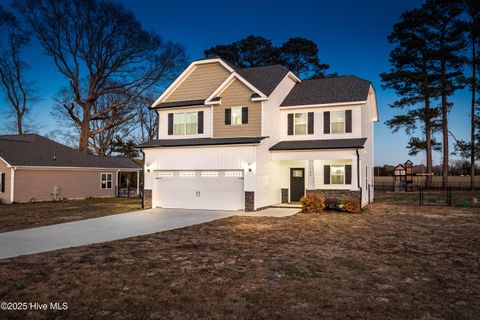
(412, 76)
(472, 29)
(446, 31)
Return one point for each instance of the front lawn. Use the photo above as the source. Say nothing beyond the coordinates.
(393, 262)
(31, 215)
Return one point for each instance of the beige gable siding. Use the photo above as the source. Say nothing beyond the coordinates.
(5, 196)
(237, 95)
(39, 184)
(200, 83)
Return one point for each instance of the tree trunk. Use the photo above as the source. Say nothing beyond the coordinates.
(428, 143)
(444, 127)
(472, 128)
(84, 134)
(19, 124)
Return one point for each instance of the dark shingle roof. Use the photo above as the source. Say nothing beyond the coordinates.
(320, 144)
(174, 104)
(35, 150)
(265, 79)
(328, 90)
(200, 142)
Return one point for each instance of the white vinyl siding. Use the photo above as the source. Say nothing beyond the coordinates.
(318, 123)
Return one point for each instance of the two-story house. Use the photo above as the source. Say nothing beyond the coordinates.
(245, 139)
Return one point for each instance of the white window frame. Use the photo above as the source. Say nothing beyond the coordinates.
(185, 117)
(106, 180)
(344, 121)
(231, 116)
(295, 124)
(333, 174)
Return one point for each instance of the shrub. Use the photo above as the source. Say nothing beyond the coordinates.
(351, 205)
(332, 203)
(312, 203)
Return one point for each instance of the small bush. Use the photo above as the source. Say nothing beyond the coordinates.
(333, 203)
(312, 203)
(350, 205)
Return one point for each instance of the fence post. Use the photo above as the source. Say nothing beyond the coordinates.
(420, 196)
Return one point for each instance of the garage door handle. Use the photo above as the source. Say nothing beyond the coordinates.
(197, 193)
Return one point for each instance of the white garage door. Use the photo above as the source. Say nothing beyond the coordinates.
(210, 190)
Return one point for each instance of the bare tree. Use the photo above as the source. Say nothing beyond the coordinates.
(147, 119)
(18, 91)
(102, 44)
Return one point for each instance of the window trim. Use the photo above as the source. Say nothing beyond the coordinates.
(184, 124)
(344, 121)
(332, 174)
(231, 116)
(305, 114)
(106, 180)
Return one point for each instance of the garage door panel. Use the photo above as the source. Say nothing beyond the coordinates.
(211, 190)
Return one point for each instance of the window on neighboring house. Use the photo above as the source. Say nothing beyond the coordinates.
(236, 115)
(185, 123)
(338, 121)
(106, 182)
(300, 123)
(337, 174)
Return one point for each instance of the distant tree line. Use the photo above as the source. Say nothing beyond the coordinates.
(299, 55)
(435, 54)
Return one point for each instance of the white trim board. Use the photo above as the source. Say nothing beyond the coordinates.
(324, 105)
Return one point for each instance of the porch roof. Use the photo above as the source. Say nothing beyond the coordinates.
(165, 143)
(320, 144)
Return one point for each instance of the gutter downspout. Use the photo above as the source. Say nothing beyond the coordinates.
(143, 183)
(358, 177)
(12, 184)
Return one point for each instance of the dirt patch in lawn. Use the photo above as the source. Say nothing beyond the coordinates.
(393, 262)
(31, 215)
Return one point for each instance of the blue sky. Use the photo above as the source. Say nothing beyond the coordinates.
(351, 36)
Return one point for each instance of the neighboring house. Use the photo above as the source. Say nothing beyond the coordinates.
(245, 139)
(34, 168)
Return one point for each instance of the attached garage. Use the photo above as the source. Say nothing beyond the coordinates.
(199, 189)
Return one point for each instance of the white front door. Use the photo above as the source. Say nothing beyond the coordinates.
(209, 189)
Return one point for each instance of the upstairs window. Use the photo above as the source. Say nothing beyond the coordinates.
(338, 122)
(236, 115)
(191, 122)
(300, 125)
(185, 123)
(179, 124)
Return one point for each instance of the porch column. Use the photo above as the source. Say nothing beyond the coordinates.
(138, 183)
(311, 176)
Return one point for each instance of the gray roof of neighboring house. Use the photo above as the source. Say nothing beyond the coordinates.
(320, 144)
(165, 143)
(35, 150)
(328, 90)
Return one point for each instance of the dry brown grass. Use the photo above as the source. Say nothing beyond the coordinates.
(31, 215)
(393, 262)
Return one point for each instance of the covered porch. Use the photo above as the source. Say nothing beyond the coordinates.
(333, 173)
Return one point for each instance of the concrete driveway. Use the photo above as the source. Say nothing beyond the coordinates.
(114, 227)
